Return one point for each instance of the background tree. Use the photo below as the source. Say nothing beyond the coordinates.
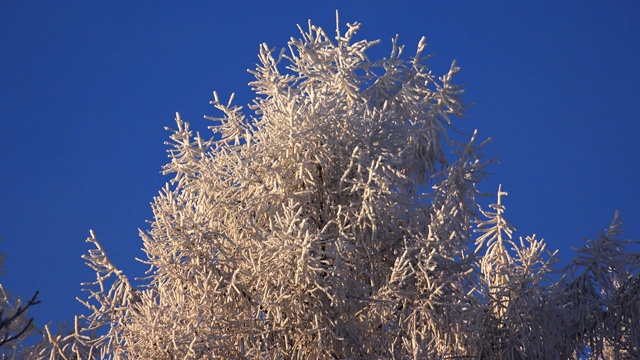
(338, 223)
(15, 326)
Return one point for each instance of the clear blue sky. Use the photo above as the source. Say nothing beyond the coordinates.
(87, 87)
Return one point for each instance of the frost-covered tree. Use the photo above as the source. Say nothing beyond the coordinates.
(15, 326)
(341, 221)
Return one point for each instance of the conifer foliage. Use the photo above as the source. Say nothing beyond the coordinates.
(341, 221)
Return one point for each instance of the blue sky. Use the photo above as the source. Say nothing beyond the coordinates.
(86, 89)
